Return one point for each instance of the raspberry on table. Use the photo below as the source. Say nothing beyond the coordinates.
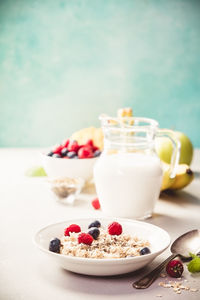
(85, 238)
(174, 268)
(115, 228)
(96, 203)
(72, 228)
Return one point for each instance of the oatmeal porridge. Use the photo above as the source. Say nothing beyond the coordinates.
(99, 242)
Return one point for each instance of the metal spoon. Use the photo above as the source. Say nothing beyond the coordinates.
(182, 246)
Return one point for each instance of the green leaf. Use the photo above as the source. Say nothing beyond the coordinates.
(36, 172)
(194, 264)
(193, 255)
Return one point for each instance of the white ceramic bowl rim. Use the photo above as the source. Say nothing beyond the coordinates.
(105, 260)
(60, 158)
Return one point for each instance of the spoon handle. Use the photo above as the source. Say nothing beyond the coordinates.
(149, 278)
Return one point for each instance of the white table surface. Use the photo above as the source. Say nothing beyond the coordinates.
(26, 205)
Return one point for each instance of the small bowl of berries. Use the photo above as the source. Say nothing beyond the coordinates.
(71, 160)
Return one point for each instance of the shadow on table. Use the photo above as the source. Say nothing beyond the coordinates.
(182, 197)
(98, 285)
(170, 223)
(196, 175)
(109, 285)
(179, 197)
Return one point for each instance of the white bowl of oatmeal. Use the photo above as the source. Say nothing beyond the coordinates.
(108, 254)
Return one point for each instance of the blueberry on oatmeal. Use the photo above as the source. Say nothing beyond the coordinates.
(54, 245)
(94, 232)
(95, 224)
(145, 251)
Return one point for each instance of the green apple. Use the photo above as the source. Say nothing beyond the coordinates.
(36, 172)
(164, 148)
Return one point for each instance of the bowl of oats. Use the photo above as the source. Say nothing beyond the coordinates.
(102, 247)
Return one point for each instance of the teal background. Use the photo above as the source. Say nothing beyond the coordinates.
(63, 62)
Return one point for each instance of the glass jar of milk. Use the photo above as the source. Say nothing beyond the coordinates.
(128, 174)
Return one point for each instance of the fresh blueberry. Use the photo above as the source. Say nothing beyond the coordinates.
(50, 153)
(144, 251)
(56, 155)
(71, 154)
(97, 153)
(94, 232)
(76, 157)
(54, 245)
(95, 224)
(64, 151)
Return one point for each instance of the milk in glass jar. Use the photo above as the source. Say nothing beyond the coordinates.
(128, 175)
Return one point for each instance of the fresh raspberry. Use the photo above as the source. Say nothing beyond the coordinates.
(85, 238)
(115, 228)
(85, 152)
(96, 204)
(175, 268)
(73, 146)
(58, 149)
(90, 143)
(81, 146)
(95, 148)
(66, 143)
(72, 228)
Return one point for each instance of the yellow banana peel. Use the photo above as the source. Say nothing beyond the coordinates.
(184, 176)
(167, 181)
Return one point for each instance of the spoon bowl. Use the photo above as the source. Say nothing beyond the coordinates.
(185, 244)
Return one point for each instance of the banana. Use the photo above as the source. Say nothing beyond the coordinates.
(167, 181)
(96, 134)
(125, 115)
(125, 112)
(85, 134)
(184, 176)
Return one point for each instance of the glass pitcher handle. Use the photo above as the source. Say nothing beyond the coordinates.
(176, 149)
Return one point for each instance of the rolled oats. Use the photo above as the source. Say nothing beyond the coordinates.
(106, 246)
